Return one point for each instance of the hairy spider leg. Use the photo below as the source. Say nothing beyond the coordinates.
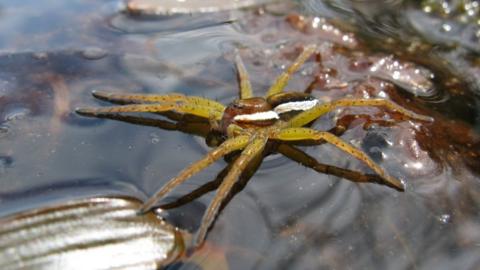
(308, 116)
(253, 148)
(282, 80)
(306, 160)
(302, 134)
(179, 107)
(129, 98)
(245, 86)
(226, 147)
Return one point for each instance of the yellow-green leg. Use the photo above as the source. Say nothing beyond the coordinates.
(179, 107)
(303, 158)
(226, 147)
(128, 98)
(308, 116)
(303, 134)
(245, 86)
(234, 130)
(254, 147)
(282, 80)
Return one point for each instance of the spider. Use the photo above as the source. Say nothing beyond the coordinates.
(247, 125)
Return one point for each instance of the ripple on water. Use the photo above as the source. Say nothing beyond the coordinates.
(40, 55)
(166, 23)
(444, 31)
(93, 53)
(162, 7)
(5, 163)
(4, 130)
(16, 112)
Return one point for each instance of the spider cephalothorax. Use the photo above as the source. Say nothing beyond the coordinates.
(248, 112)
(247, 125)
(262, 112)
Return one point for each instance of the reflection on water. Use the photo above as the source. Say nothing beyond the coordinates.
(287, 216)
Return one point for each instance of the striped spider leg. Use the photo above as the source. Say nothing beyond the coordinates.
(179, 103)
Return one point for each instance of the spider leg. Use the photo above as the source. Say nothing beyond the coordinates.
(179, 107)
(233, 130)
(282, 80)
(302, 134)
(198, 192)
(306, 160)
(308, 116)
(245, 86)
(226, 147)
(214, 184)
(254, 147)
(201, 129)
(129, 98)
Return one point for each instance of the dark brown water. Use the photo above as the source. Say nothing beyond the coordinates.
(53, 54)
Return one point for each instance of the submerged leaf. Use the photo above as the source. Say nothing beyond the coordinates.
(93, 233)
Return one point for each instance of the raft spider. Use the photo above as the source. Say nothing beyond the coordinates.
(247, 125)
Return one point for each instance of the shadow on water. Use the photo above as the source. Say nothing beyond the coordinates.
(284, 215)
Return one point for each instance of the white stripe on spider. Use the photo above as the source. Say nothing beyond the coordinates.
(259, 116)
(282, 108)
(296, 106)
